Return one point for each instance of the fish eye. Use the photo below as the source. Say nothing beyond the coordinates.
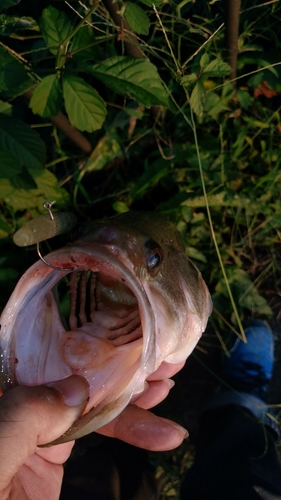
(153, 260)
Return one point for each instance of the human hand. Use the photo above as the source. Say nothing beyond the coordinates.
(33, 416)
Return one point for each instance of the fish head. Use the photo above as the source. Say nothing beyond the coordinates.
(136, 301)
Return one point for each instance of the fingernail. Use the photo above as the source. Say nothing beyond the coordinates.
(74, 389)
(170, 382)
(176, 426)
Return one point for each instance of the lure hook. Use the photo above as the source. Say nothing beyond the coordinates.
(48, 206)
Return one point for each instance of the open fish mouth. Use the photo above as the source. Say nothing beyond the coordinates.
(135, 300)
(109, 336)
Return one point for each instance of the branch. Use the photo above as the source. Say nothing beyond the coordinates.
(62, 122)
(131, 43)
(231, 33)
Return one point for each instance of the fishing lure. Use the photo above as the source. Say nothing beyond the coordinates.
(44, 227)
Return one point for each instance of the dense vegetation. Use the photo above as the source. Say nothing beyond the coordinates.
(107, 107)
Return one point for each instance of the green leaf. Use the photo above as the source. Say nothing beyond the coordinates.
(9, 165)
(244, 292)
(197, 98)
(23, 180)
(47, 189)
(5, 4)
(214, 105)
(188, 80)
(204, 61)
(193, 253)
(46, 98)
(105, 151)
(149, 3)
(82, 44)
(217, 67)
(244, 98)
(55, 27)
(6, 107)
(85, 108)
(137, 18)
(14, 80)
(134, 78)
(11, 24)
(255, 80)
(256, 123)
(22, 141)
(120, 207)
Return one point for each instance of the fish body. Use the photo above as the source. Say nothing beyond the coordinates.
(136, 301)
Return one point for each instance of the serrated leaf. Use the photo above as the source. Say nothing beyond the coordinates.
(23, 180)
(9, 165)
(217, 67)
(11, 24)
(134, 78)
(46, 98)
(47, 189)
(188, 80)
(22, 141)
(85, 108)
(55, 27)
(80, 45)
(137, 18)
(14, 80)
(197, 98)
(6, 107)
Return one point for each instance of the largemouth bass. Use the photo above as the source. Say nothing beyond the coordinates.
(136, 301)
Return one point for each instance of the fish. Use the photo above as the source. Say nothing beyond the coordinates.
(135, 301)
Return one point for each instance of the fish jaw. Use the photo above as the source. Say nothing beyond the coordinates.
(32, 335)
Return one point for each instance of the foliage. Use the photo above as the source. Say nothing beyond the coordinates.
(155, 123)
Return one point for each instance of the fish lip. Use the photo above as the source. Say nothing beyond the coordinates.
(78, 257)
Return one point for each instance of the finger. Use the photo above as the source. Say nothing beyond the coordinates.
(144, 429)
(56, 454)
(166, 370)
(156, 392)
(31, 416)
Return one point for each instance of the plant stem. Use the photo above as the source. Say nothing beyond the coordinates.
(243, 337)
(63, 48)
(232, 14)
(131, 43)
(65, 126)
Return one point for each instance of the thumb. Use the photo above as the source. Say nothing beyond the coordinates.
(32, 416)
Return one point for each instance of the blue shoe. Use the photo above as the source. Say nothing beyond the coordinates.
(250, 365)
(246, 374)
